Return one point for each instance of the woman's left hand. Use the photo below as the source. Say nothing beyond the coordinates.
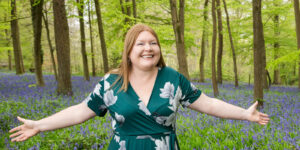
(256, 116)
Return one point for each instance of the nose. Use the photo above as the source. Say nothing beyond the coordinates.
(147, 46)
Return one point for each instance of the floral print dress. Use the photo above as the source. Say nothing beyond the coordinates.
(137, 126)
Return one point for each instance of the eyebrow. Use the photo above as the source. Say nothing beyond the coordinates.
(146, 40)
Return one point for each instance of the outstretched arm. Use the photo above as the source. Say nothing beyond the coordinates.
(70, 116)
(218, 108)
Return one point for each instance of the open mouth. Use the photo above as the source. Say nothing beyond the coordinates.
(147, 56)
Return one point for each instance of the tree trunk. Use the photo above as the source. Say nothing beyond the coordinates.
(62, 40)
(178, 27)
(203, 43)
(259, 47)
(220, 44)
(297, 20)
(45, 18)
(82, 35)
(122, 7)
(213, 50)
(7, 45)
(16, 39)
(134, 10)
(101, 33)
(236, 80)
(276, 45)
(92, 41)
(128, 12)
(36, 14)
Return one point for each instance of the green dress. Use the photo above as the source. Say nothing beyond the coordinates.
(140, 127)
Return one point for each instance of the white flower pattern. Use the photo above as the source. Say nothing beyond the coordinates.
(143, 108)
(167, 91)
(109, 98)
(97, 90)
(162, 144)
(119, 118)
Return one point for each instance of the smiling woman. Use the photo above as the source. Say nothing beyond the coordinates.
(143, 97)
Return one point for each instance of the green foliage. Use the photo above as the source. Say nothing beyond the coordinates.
(9, 109)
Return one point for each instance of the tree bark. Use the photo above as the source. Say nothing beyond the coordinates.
(36, 14)
(62, 40)
(45, 18)
(128, 12)
(92, 40)
(203, 43)
(297, 20)
(259, 47)
(101, 33)
(7, 45)
(16, 39)
(178, 27)
(122, 7)
(213, 50)
(220, 43)
(276, 45)
(82, 35)
(134, 10)
(236, 80)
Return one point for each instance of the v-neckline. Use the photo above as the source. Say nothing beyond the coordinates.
(153, 88)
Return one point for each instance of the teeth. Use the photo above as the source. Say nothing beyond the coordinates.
(148, 56)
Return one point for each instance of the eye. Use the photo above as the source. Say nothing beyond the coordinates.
(140, 43)
(153, 43)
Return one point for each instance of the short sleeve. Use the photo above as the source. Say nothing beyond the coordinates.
(189, 91)
(95, 100)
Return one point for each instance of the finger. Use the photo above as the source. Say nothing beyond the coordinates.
(24, 138)
(21, 119)
(16, 134)
(20, 137)
(263, 115)
(15, 129)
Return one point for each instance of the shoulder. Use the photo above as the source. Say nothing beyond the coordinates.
(109, 77)
(169, 70)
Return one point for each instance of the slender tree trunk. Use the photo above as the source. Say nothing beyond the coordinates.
(92, 40)
(134, 10)
(178, 27)
(259, 47)
(62, 41)
(220, 44)
(276, 44)
(82, 35)
(213, 50)
(7, 45)
(203, 43)
(297, 20)
(128, 12)
(236, 80)
(36, 14)
(45, 18)
(101, 33)
(16, 39)
(122, 7)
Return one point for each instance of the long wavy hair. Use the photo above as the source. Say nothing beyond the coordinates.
(125, 66)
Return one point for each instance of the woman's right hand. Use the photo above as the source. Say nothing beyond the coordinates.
(24, 131)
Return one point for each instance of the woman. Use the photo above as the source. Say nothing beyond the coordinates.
(142, 96)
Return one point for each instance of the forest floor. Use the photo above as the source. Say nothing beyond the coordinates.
(19, 96)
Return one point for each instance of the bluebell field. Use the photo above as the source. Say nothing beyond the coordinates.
(19, 96)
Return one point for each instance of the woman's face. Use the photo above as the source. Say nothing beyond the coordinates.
(145, 52)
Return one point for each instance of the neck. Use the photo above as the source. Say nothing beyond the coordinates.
(143, 74)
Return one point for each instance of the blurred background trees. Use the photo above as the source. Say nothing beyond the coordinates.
(185, 30)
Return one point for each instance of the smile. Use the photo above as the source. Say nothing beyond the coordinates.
(147, 56)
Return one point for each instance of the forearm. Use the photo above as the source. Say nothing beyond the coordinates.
(218, 108)
(225, 110)
(70, 116)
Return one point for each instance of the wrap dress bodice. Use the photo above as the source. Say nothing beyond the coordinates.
(135, 125)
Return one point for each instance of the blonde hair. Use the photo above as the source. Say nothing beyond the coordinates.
(125, 66)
